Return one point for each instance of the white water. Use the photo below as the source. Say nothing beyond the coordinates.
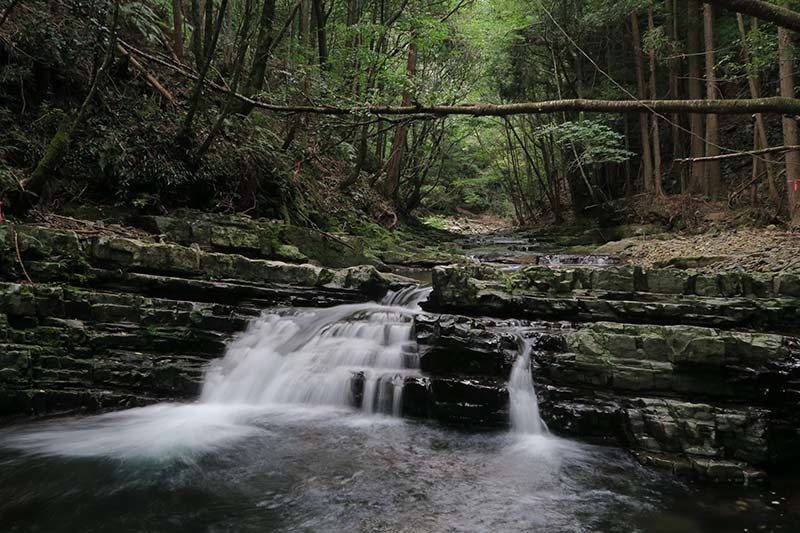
(357, 355)
(322, 357)
(524, 406)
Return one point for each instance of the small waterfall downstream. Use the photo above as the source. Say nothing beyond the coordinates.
(347, 355)
(523, 404)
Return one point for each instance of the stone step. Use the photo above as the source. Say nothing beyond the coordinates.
(621, 294)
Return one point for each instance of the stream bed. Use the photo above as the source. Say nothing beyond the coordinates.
(325, 469)
(299, 428)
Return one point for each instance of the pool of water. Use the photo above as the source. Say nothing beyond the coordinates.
(206, 467)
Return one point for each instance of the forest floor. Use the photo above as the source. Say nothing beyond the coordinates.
(714, 248)
(750, 249)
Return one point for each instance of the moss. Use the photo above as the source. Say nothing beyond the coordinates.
(51, 160)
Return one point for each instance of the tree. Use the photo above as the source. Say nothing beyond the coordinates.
(651, 27)
(760, 132)
(792, 158)
(59, 144)
(177, 28)
(778, 15)
(212, 37)
(264, 43)
(697, 173)
(644, 127)
(395, 164)
(713, 177)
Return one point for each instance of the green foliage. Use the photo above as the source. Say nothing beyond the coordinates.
(595, 142)
(435, 221)
(141, 17)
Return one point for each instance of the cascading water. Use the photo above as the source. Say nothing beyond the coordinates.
(334, 356)
(349, 355)
(524, 406)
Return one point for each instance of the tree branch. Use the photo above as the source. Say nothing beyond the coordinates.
(773, 104)
(780, 16)
(750, 153)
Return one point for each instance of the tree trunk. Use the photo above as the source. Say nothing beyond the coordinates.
(177, 28)
(195, 20)
(258, 69)
(395, 163)
(713, 175)
(673, 64)
(697, 172)
(186, 126)
(654, 94)
(322, 41)
(760, 132)
(644, 128)
(792, 159)
(244, 45)
(780, 16)
(304, 24)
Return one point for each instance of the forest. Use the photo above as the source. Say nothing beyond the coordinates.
(538, 111)
(399, 266)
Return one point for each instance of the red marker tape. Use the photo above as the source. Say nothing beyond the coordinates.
(794, 183)
(1, 212)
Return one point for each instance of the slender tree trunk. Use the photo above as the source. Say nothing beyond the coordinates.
(304, 27)
(759, 131)
(264, 43)
(713, 174)
(322, 40)
(654, 94)
(644, 128)
(185, 130)
(395, 164)
(177, 28)
(197, 32)
(674, 66)
(792, 159)
(244, 45)
(697, 172)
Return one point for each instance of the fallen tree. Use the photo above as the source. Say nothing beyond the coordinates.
(773, 104)
(778, 15)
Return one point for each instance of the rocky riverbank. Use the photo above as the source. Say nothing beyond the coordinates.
(670, 364)
(695, 372)
(114, 321)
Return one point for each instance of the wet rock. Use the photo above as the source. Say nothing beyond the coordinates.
(700, 401)
(621, 294)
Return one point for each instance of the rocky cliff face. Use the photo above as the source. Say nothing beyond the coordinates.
(699, 389)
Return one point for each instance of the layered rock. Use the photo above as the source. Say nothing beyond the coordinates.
(255, 238)
(768, 302)
(713, 399)
(115, 321)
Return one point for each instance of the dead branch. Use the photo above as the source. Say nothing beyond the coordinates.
(750, 153)
(149, 77)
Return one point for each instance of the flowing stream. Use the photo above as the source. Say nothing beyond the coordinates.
(297, 429)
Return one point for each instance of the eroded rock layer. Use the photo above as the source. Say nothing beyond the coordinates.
(670, 364)
(115, 321)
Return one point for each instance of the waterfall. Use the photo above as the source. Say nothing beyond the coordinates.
(524, 405)
(348, 355)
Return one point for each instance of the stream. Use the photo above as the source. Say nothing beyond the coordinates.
(299, 428)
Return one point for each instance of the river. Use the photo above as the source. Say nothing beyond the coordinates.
(299, 428)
